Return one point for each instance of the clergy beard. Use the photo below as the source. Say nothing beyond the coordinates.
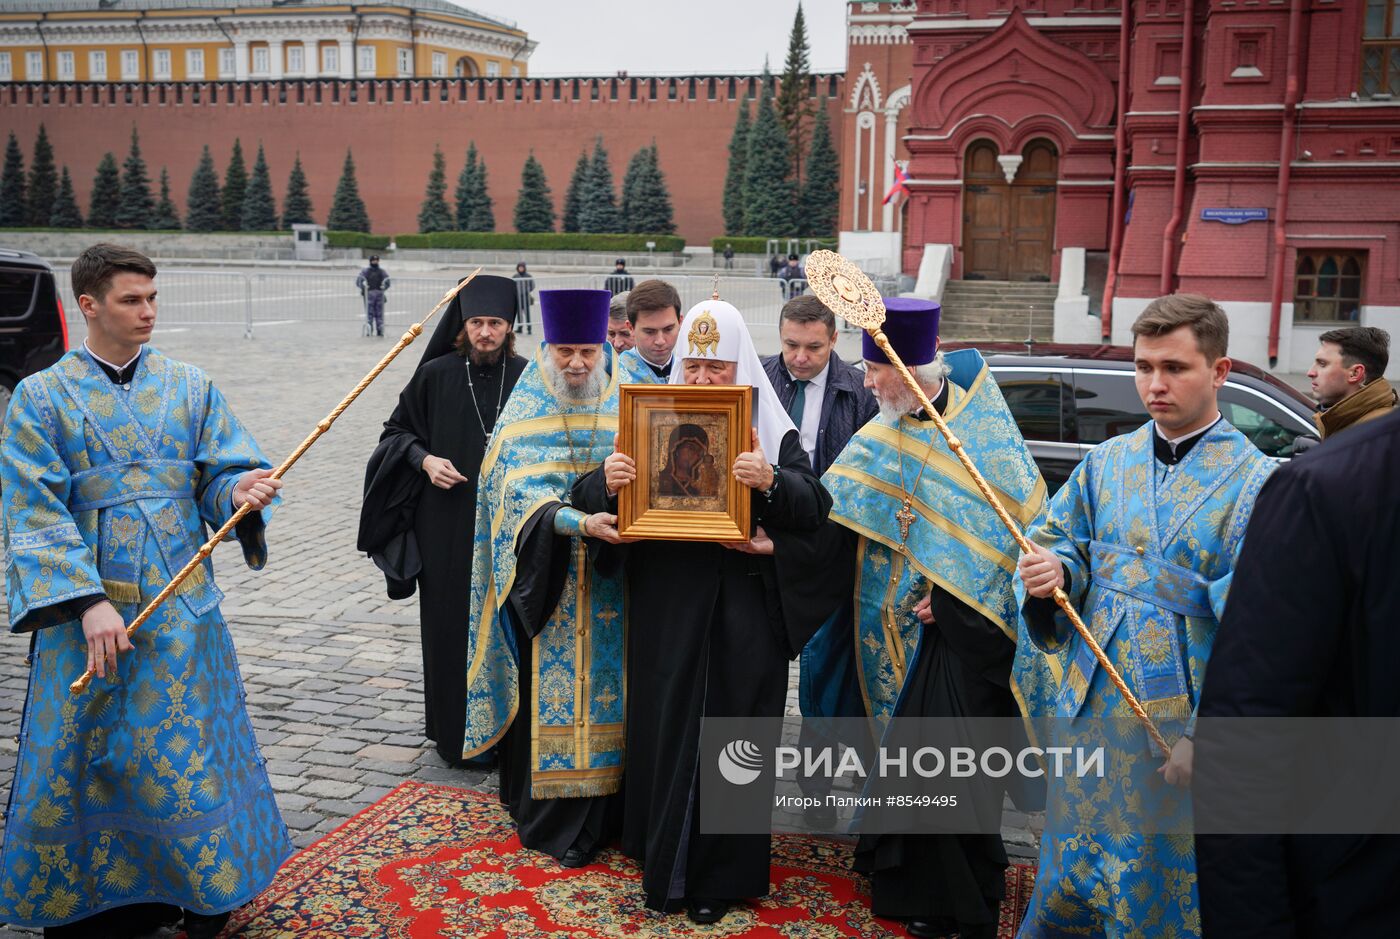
(482, 359)
(467, 349)
(566, 392)
(894, 407)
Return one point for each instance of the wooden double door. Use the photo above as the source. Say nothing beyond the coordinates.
(1009, 228)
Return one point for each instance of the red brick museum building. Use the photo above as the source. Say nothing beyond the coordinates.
(1246, 149)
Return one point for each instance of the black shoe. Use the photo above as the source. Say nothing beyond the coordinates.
(704, 912)
(925, 929)
(577, 857)
(820, 816)
(200, 926)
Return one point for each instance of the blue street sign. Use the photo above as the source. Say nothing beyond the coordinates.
(1234, 216)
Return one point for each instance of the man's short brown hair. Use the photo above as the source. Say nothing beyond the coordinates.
(94, 269)
(650, 296)
(1362, 345)
(807, 309)
(1207, 322)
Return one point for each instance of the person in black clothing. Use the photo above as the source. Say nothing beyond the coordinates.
(419, 511)
(373, 281)
(828, 401)
(526, 287)
(1309, 631)
(710, 635)
(794, 279)
(619, 280)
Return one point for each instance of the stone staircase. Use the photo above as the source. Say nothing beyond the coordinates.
(982, 310)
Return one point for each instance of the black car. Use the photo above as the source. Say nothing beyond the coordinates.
(33, 332)
(1067, 399)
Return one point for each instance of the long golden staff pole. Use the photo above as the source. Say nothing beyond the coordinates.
(871, 320)
(414, 331)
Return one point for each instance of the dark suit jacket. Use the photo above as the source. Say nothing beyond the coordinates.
(846, 405)
(1310, 630)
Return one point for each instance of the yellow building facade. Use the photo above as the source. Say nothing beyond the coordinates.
(261, 40)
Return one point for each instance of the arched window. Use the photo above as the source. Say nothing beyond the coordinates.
(1327, 286)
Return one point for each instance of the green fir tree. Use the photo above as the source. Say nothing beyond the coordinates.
(734, 176)
(820, 201)
(167, 218)
(534, 207)
(770, 198)
(464, 196)
(648, 210)
(794, 104)
(106, 196)
(137, 208)
(14, 211)
(597, 210)
(347, 208)
(483, 217)
(434, 214)
(636, 168)
(234, 189)
(259, 205)
(43, 180)
(204, 205)
(296, 208)
(574, 195)
(65, 213)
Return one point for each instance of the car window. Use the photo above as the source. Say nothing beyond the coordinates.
(1039, 401)
(1106, 405)
(1268, 426)
(17, 292)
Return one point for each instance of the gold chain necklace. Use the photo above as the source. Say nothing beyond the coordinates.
(592, 438)
(905, 516)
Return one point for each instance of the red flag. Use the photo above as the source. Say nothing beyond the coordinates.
(901, 184)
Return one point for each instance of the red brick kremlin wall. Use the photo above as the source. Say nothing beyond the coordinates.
(393, 126)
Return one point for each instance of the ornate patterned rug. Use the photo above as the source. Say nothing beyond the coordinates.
(429, 860)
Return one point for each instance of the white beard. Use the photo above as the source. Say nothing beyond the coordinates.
(895, 407)
(591, 389)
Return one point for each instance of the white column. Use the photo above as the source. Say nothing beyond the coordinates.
(347, 59)
(240, 60)
(276, 59)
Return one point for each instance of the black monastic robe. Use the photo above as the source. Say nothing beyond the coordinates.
(418, 532)
(963, 668)
(708, 635)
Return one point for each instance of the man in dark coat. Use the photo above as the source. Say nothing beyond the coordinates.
(419, 509)
(1309, 631)
(828, 401)
(825, 397)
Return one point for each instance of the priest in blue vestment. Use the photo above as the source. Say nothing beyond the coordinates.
(921, 571)
(544, 666)
(1143, 538)
(145, 794)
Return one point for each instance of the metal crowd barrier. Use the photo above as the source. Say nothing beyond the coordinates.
(252, 298)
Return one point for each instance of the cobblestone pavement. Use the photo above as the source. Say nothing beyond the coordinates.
(331, 666)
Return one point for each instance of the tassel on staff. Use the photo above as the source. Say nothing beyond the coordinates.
(193, 564)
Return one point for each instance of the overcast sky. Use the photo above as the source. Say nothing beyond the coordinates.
(590, 37)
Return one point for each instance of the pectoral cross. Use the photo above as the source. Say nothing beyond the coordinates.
(906, 517)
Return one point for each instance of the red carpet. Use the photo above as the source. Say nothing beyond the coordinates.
(428, 861)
